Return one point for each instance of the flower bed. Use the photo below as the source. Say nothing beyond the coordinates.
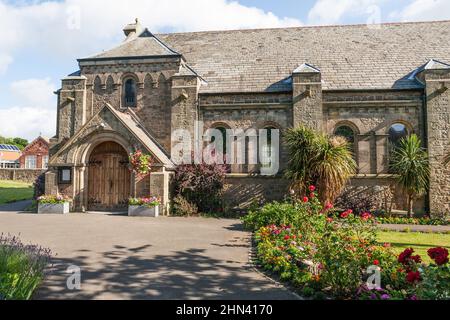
(21, 268)
(413, 221)
(144, 207)
(326, 254)
(53, 204)
(52, 199)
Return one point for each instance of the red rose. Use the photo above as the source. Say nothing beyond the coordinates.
(376, 262)
(287, 237)
(416, 259)
(413, 277)
(312, 188)
(439, 255)
(346, 214)
(312, 195)
(328, 206)
(305, 199)
(366, 216)
(405, 256)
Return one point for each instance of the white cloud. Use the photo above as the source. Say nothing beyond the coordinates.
(333, 11)
(34, 110)
(424, 10)
(33, 91)
(5, 61)
(71, 28)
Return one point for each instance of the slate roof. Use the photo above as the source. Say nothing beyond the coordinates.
(262, 60)
(146, 44)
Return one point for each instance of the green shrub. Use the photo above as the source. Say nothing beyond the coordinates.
(435, 284)
(183, 208)
(272, 214)
(21, 268)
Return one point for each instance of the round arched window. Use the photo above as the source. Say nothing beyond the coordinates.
(224, 139)
(397, 132)
(129, 94)
(346, 132)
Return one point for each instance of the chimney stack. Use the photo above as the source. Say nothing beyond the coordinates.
(132, 29)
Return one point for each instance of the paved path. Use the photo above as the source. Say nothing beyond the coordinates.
(145, 258)
(415, 228)
(15, 206)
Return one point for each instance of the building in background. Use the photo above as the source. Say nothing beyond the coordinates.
(35, 155)
(9, 156)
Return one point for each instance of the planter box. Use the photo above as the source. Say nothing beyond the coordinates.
(140, 211)
(59, 208)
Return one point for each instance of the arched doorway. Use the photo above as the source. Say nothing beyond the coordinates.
(109, 179)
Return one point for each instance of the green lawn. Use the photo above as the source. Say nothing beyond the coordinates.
(12, 191)
(420, 242)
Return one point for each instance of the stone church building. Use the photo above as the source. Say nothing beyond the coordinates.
(372, 84)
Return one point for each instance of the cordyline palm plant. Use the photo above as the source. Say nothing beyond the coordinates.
(410, 162)
(447, 159)
(318, 159)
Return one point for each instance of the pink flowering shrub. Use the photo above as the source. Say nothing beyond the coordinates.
(141, 164)
(201, 185)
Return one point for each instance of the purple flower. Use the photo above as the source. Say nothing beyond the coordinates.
(385, 297)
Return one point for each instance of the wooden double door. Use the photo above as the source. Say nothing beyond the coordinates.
(109, 179)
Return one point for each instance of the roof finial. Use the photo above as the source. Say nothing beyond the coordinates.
(137, 20)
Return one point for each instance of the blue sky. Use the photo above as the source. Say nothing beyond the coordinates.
(40, 40)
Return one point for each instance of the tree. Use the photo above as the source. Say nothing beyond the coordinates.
(18, 142)
(320, 160)
(410, 162)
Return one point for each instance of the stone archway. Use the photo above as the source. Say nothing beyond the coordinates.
(109, 180)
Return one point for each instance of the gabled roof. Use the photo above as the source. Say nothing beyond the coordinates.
(306, 68)
(349, 57)
(132, 124)
(143, 45)
(432, 64)
(436, 65)
(40, 138)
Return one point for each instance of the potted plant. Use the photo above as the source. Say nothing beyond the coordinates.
(144, 207)
(53, 204)
(141, 164)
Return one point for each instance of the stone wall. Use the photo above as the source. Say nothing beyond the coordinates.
(24, 175)
(241, 191)
(438, 136)
(370, 115)
(384, 191)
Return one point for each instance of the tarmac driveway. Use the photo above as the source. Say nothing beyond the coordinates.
(144, 258)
